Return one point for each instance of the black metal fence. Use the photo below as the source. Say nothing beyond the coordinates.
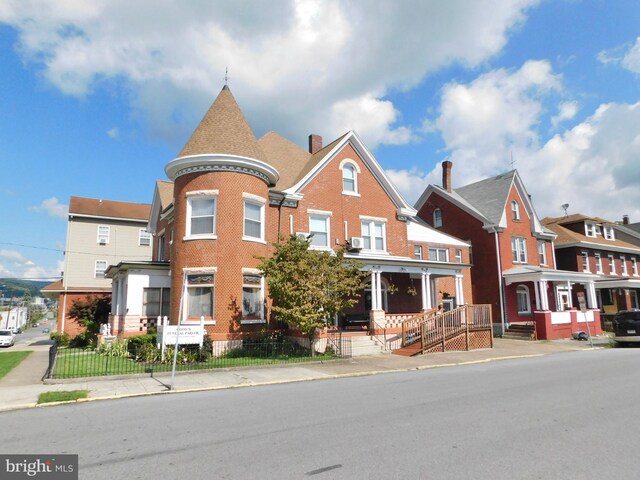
(123, 359)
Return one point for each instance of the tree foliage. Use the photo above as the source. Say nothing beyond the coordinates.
(91, 312)
(310, 287)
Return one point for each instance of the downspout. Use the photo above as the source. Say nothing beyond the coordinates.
(500, 283)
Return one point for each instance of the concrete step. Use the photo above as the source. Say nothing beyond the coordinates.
(365, 345)
(518, 335)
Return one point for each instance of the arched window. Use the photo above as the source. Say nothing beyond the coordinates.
(524, 301)
(350, 171)
(437, 218)
(515, 210)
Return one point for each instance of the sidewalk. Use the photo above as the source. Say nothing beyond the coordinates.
(21, 387)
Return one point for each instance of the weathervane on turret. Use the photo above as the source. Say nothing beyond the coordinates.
(226, 76)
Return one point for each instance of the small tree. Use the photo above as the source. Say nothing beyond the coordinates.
(91, 312)
(310, 287)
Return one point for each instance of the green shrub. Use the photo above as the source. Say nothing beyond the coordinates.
(85, 339)
(136, 342)
(148, 353)
(117, 349)
(62, 338)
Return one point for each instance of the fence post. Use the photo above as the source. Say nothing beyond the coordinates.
(444, 337)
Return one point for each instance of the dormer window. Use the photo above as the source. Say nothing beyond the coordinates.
(437, 218)
(350, 171)
(608, 233)
(515, 210)
(590, 229)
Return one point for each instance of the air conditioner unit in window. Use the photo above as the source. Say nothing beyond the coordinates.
(302, 235)
(356, 243)
(102, 241)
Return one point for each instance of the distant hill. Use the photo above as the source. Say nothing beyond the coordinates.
(17, 288)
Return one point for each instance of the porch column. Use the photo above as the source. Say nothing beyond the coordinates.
(426, 290)
(114, 296)
(536, 287)
(459, 291)
(378, 291)
(570, 299)
(374, 290)
(591, 295)
(544, 298)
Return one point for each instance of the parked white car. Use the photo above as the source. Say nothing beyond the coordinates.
(7, 338)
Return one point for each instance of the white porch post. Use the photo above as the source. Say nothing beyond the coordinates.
(378, 291)
(544, 298)
(374, 297)
(120, 307)
(569, 299)
(459, 291)
(426, 291)
(536, 287)
(591, 295)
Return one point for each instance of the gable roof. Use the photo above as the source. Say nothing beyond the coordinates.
(165, 194)
(223, 130)
(92, 207)
(321, 159)
(569, 238)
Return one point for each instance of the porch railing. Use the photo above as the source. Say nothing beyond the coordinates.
(431, 328)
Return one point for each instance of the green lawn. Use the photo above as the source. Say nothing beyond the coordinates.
(48, 397)
(74, 363)
(10, 360)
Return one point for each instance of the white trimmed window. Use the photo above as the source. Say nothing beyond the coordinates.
(515, 210)
(458, 255)
(524, 299)
(252, 298)
(612, 265)
(598, 263)
(253, 220)
(417, 252)
(144, 237)
(161, 247)
(590, 229)
(103, 234)
(100, 268)
(201, 216)
(608, 233)
(623, 265)
(585, 261)
(437, 218)
(438, 254)
(634, 266)
(200, 295)
(374, 235)
(542, 252)
(349, 179)
(155, 302)
(518, 250)
(320, 229)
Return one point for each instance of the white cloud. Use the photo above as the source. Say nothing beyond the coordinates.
(113, 133)
(631, 60)
(627, 55)
(288, 60)
(566, 111)
(13, 256)
(52, 207)
(13, 264)
(411, 183)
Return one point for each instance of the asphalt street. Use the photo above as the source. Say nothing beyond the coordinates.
(568, 416)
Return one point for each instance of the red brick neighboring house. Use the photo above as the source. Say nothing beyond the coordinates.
(230, 196)
(513, 260)
(99, 233)
(594, 245)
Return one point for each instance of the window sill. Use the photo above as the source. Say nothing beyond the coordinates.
(254, 240)
(197, 322)
(252, 322)
(320, 247)
(187, 238)
(351, 194)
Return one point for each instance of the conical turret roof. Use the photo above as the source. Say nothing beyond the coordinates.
(223, 130)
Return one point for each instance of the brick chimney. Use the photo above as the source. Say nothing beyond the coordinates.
(625, 219)
(315, 143)
(446, 175)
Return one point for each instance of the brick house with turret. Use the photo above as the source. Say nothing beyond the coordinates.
(229, 196)
(514, 266)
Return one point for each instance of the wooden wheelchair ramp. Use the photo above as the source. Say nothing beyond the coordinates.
(464, 328)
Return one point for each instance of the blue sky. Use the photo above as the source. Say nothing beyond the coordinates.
(98, 96)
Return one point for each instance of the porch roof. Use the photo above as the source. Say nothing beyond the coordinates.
(532, 273)
(113, 270)
(618, 283)
(396, 264)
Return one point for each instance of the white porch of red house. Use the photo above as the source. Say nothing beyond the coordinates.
(556, 313)
(384, 316)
